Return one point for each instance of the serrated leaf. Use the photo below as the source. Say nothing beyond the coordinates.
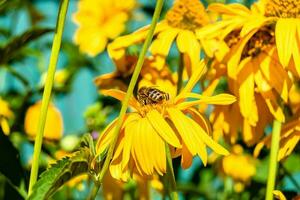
(10, 50)
(60, 173)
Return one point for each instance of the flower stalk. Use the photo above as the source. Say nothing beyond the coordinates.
(131, 86)
(47, 92)
(273, 159)
(170, 174)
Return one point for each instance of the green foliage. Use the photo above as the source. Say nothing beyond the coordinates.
(60, 173)
(95, 116)
(9, 51)
(10, 168)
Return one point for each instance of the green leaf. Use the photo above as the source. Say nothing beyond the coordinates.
(60, 173)
(12, 48)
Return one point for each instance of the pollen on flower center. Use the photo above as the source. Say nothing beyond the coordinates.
(232, 38)
(187, 14)
(283, 8)
(261, 40)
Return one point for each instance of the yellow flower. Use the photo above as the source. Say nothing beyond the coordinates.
(289, 138)
(239, 166)
(146, 130)
(99, 21)
(180, 24)
(5, 115)
(262, 48)
(54, 122)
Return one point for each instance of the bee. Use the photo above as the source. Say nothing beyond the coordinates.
(151, 95)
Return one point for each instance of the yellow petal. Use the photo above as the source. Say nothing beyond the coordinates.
(296, 52)
(220, 99)
(260, 145)
(188, 44)
(232, 9)
(196, 75)
(200, 119)
(178, 120)
(128, 135)
(278, 195)
(207, 139)
(285, 32)
(253, 22)
(248, 133)
(162, 44)
(139, 148)
(246, 93)
(163, 128)
(236, 53)
(4, 125)
(120, 95)
(116, 49)
(105, 137)
(287, 145)
(276, 75)
(275, 109)
(189, 135)
(186, 158)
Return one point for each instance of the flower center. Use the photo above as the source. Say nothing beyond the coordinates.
(283, 8)
(187, 14)
(232, 38)
(259, 42)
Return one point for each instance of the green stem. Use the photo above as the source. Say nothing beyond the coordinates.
(47, 92)
(273, 159)
(170, 174)
(94, 191)
(131, 86)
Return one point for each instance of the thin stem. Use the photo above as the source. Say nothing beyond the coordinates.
(94, 191)
(170, 174)
(47, 92)
(180, 73)
(273, 159)
(131, 86)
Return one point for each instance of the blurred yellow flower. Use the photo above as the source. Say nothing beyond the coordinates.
(239, 166)
(54, 122)
(141, 143)
(5, 115)
(289, 138)
(181, 23)
(99, 21)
